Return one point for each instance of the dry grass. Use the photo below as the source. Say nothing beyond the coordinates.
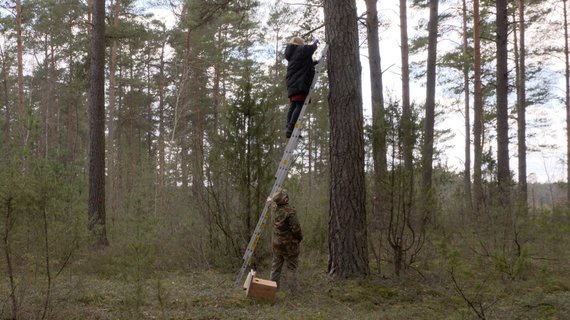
(208, 294)
(150, 277)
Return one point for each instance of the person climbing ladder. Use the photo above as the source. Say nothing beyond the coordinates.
(282, 171)
(300, 73)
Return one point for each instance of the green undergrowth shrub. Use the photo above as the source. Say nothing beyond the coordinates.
(491, 262)
(42, 219)
(146, 242)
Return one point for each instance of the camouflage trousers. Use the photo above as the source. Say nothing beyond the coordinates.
(277, 265)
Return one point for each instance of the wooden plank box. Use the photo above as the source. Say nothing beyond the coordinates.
(258, 288)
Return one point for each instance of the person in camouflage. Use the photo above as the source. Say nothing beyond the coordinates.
(286, 236)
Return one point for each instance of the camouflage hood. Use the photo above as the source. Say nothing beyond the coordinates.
(280, 196)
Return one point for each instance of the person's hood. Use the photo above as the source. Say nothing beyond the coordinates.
(280, 196)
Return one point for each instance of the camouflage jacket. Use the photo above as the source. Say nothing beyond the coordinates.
(286, 229)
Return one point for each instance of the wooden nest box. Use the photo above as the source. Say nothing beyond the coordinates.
(258, 288)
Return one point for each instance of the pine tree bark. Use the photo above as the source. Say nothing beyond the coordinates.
(429, 124)
(397, 236)
(71, 109)
(112, 154)
(216, 94)
(406, 107)
(197, 80)
(467, 94)
(377, 92)
(20, 58)
(194, 94)
(161, 126)
(149, 101)
(567, 76)
(96, 205)
(521, 104)
(8, 222)
(503, 171)
(5, 95)
(378, 115)
(348, 248)
(45, 109)
(478, 112)
(183, 162)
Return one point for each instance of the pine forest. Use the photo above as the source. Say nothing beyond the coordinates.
(427, 176)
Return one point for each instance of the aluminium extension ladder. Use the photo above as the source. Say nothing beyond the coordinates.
(281, 173)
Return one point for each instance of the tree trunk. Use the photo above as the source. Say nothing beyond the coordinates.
(467, 92)
(184, 174)
(406, 107)
(71, 109)
(216, 92)
(521, 110)
(45, 100)
(112, 156)
(96, 205)
(8, 223)
(20, 58)
(503, 171)
(406, 187)
(378, 112)
(478, 112)
(194, 96)
(149, 101)
(161, 129)
(427, 152)
(380, 197)
(5, 96)
(567, 75)
(310, 137)
(197, 80)
(348, 248)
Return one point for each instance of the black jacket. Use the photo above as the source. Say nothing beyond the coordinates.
(301, 68)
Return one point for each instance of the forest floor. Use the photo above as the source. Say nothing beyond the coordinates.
(79, 293)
